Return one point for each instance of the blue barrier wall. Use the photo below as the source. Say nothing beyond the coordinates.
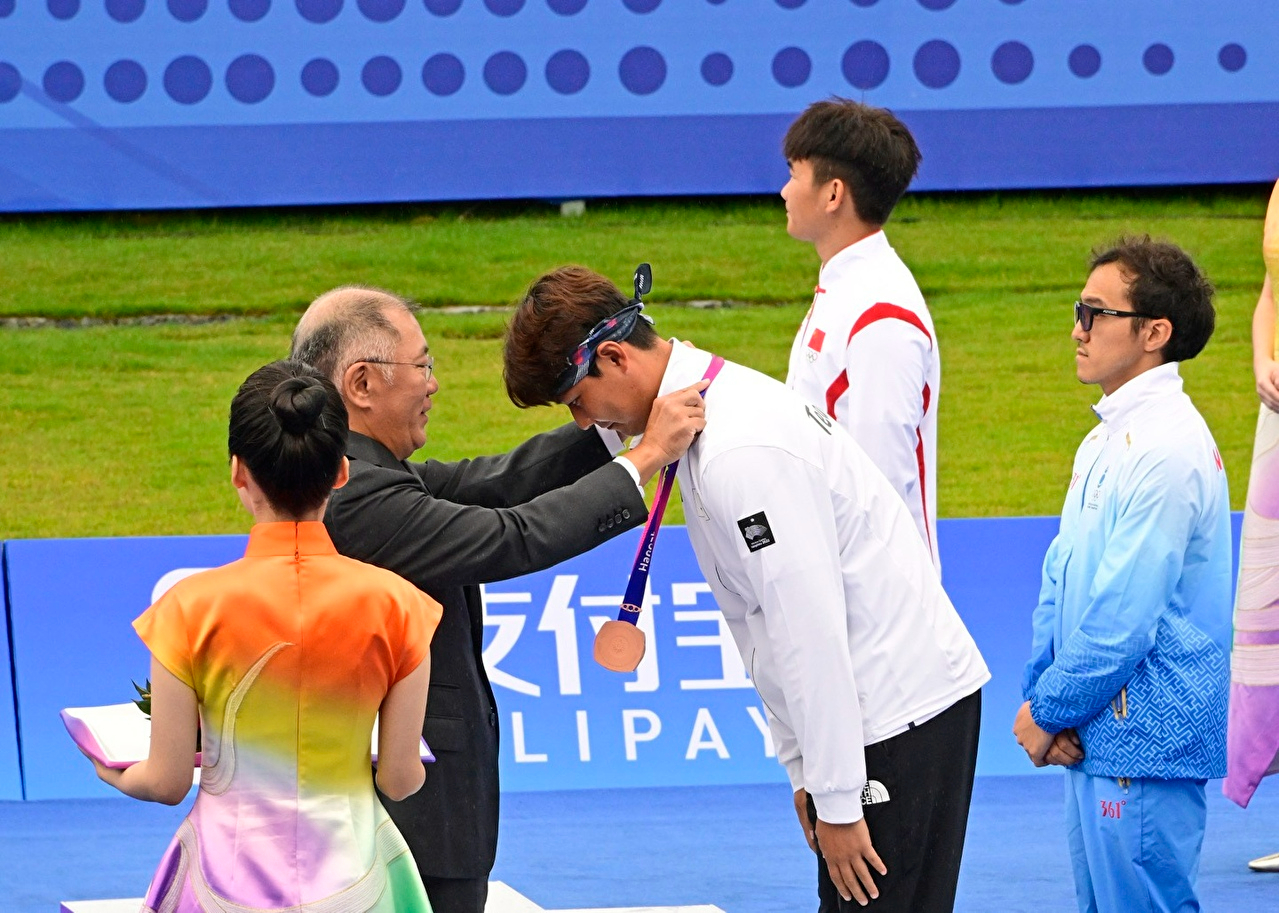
(10, 772)
(142, 103)
(688, 716)
(71, 602)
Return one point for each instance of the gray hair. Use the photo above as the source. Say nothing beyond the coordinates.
(346, 325)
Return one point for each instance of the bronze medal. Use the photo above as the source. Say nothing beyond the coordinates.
(619, 646)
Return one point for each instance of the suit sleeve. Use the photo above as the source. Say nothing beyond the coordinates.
(887, 364)
(1133, 587)
(541, 464)
(797, 584)
(384, 517)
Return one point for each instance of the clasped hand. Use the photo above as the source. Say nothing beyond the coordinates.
(1044, 748)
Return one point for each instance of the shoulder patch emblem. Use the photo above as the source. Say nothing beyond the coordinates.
(756, 531)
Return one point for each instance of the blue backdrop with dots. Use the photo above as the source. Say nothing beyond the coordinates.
(163, 103)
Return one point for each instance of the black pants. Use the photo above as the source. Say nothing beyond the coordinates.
(918, 832)
(457, 895)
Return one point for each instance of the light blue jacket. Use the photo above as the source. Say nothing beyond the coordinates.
(1132, 633)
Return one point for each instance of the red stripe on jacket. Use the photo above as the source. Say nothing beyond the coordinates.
(884, 311)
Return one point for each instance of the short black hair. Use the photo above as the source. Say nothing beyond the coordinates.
(1164, 282)
(866, 147)
(288, 425)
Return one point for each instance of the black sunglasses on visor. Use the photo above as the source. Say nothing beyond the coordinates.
(610, 329)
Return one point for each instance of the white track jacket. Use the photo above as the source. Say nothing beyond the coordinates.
(828, 590)
(867, 354)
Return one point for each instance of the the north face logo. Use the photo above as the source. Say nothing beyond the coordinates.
(874, 792)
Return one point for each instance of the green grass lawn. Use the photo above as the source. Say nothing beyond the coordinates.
(120, 430)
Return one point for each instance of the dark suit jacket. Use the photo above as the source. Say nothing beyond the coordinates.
(448, 527)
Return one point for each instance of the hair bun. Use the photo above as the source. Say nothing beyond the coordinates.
(298, 403)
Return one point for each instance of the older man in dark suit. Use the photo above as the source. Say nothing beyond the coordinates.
(448, 527)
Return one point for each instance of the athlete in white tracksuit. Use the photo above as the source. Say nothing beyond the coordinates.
(841, 619)
(870, 679)
(867, 354)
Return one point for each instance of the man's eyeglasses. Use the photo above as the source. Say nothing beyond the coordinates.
(1084, 314)
(426, 367)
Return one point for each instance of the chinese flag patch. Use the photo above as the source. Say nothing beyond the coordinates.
(815, 341)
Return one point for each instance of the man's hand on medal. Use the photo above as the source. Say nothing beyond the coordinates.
(673, 424)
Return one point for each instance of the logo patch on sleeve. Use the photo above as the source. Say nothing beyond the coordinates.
(756, 531)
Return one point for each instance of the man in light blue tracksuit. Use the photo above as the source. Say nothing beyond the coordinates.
(1128, 676)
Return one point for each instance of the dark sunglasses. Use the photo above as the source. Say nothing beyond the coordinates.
(1084, 314)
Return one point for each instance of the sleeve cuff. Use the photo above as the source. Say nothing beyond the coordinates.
(1039, 715)
(631, 470)
(838, 808)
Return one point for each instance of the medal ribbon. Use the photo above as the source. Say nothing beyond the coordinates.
(634, 597)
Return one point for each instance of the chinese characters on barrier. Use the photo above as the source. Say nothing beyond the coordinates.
(691, 699)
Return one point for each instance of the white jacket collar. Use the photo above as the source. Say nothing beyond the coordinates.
(867, 248)
(1156, 383)
(685, 367)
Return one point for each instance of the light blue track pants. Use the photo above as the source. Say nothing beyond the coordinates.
(1135, 847)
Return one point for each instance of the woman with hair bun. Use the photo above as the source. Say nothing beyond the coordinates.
(283, 659)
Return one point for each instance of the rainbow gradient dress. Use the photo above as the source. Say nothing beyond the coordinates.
(290, 652)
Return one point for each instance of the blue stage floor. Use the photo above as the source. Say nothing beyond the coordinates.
(737, 847)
